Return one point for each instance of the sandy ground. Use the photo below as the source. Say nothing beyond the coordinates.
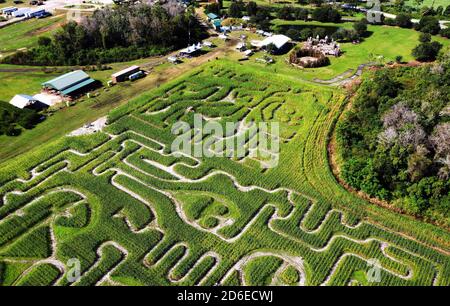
(90, 128)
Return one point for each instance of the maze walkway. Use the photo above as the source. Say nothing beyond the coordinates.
(134, 212)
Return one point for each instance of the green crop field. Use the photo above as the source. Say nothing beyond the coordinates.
(25, 34)
(134, 212)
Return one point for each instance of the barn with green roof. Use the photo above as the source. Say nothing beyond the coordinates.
(70, 84)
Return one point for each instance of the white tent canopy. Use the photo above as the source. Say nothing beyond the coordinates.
(278, 40)
(22, 101)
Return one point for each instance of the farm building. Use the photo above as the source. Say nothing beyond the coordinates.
(25, 101)
(217, 24)
(279, 41)
(191, 50)
(9, 10)
(173, 59)
(211, 16)
(123, 75)
(207, 44)
(20, 12)
(70, 83)
(35, 13)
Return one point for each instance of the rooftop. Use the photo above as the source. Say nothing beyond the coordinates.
(277, 40)
(67, 80)
(125, 71)
(22, 101)
(212, 16)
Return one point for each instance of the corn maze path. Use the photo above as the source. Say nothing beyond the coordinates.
(135, 213)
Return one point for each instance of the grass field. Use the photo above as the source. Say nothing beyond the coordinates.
(383, 41)
(85, 110)
(133, 212)
(429, 3)
(26, 33)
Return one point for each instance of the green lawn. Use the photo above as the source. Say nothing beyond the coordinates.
(384, 40)
(26, 33)
(429, 3)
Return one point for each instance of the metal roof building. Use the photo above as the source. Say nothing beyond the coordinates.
(212, 16)
(122, 75)
(69, 82)
(22, 101)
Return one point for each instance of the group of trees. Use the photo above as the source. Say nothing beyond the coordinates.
(427, 24)
(400, 6)
(427, 50)
(395, 142)
(292, 13)
(116, 34)
(326, 13)
(13, 119)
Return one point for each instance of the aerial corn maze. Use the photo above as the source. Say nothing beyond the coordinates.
(134, 212)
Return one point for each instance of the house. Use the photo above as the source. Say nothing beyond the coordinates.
(26, 101)
(279, 41)
(123, 75)
(8, 10)
(69, 84)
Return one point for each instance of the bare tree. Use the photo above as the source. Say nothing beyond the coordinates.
(440, 139)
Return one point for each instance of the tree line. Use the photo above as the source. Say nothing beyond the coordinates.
(116, 34)
(395, 142)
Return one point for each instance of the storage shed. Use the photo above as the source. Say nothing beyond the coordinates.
(26, 101)
(123, 75)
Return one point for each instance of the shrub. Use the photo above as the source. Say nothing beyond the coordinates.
(427, 51)
(445, 32)
(429, 24)
(360, 27)
(424, 37)
(403, 20)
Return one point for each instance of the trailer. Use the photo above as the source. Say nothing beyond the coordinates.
(124, 74)
(136, 75)
(21, 12)
(35, 13)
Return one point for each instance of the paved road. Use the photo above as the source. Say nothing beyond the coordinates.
(392, 16)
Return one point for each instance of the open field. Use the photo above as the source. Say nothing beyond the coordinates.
(26, 33)
(134, 212)
(87, 110)
(429, 3)
(384, 41)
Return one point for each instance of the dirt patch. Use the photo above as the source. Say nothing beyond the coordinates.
(44, 29)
